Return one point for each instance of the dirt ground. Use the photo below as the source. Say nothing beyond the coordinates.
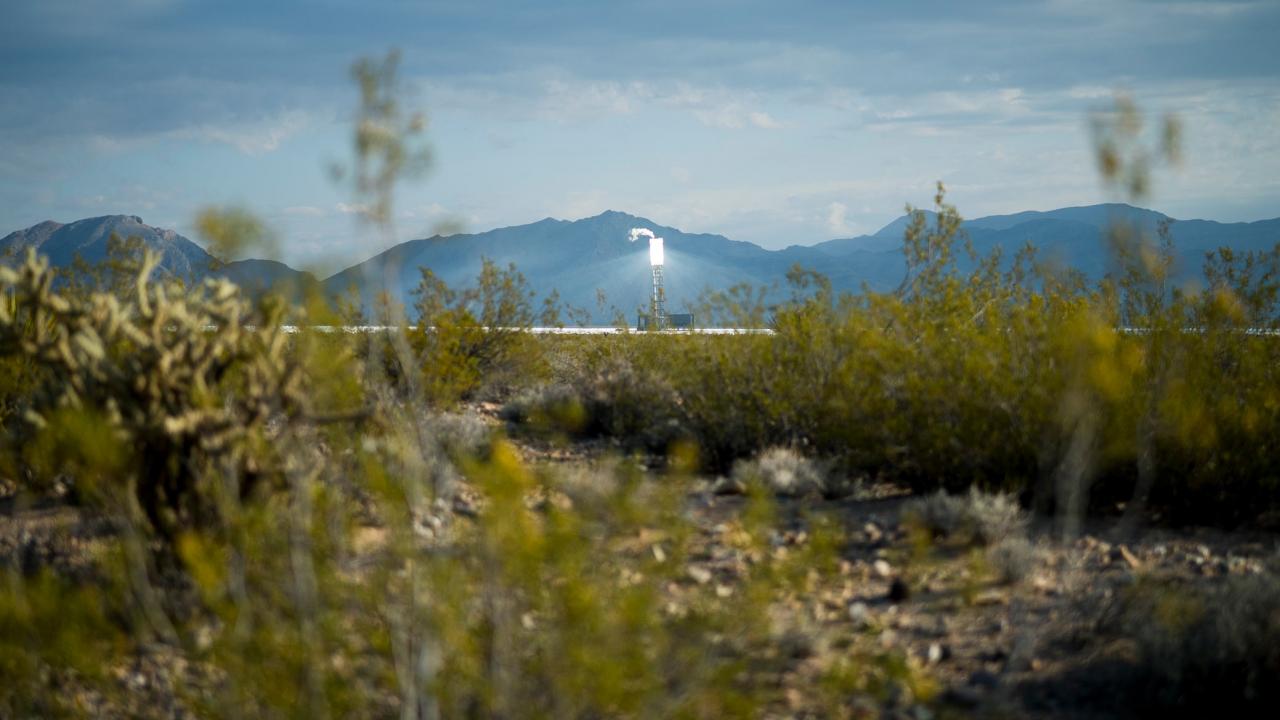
(1026, 648)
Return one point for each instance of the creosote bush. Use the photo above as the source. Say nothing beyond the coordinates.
(997, 372)
(783, 471)
(475, 342)
(976, 517)
(1211, 650)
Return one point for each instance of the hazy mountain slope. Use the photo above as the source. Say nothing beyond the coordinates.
(258, 276)
(576, 258)
(179, 257)
(579, 257)
(88, 239)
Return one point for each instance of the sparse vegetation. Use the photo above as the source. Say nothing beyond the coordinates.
(1200, 650)
(979, 518)
(783, 471)
(321, 525)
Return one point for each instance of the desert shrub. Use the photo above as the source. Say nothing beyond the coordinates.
(550, 408)
(993, 372)
(460, 434)
(140, 397)
(579, 605)
(784, 471)
(394, 560)
(475, 342)
(1012, 559)
(1208, 649)
(976, 517)
(610, 395)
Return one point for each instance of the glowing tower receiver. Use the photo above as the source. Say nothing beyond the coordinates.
(658, 301)
(658, 298)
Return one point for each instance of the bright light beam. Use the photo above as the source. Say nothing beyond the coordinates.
(655, 251)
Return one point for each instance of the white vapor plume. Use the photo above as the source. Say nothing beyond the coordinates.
(637, 233)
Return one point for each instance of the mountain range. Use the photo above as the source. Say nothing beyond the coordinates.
(585, 259)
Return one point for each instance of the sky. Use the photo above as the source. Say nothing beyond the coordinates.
(778, 123)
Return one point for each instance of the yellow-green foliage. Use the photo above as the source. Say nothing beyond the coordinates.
(474, 340)
(385, 570)
(1007, 375)
(141, 395)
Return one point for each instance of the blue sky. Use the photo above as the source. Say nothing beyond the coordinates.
(773, 122)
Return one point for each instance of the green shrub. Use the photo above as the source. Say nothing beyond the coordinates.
(783, 471)
(977, 517)
(475, 342)
(139, 397)
(1208, 650)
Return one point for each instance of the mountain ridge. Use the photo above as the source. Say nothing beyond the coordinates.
(577, 257)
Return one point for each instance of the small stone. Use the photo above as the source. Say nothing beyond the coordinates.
(882, 568)
(991, 597)
(728, 486)
(700, 575)
(1123, 553)
(873, 532)
(888, 639)
(936, 653)
(860, 615)
(898, 591)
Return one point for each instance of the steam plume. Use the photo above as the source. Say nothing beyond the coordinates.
(637, 233)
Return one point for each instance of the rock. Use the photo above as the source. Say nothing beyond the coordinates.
(888, 639)
(991, 597)
(882, 568)
(1123, 553)
(873, 532)
(700, 575)
(728, 486)
(860, 615)
(936, 653)
(898, 591)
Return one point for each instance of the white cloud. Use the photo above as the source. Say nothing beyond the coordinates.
(351, 208)
(763, 120)
(567, 100)
(837, 221)
(254, 138)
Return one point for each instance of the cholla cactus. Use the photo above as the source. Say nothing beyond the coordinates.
(179, 378)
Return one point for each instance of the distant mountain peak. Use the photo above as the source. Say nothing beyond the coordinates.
(617, 215)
